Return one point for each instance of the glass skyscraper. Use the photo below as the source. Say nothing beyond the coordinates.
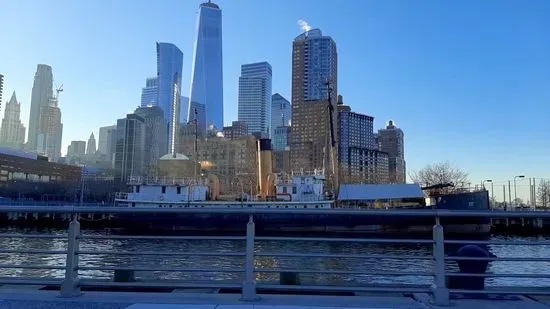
(184, 110)
(207, 72)
(280, 112)
(255, 97)
(149, 94)
(169, 67)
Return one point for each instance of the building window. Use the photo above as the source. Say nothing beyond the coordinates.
(137, 189)
(179, 190)
(163, 189)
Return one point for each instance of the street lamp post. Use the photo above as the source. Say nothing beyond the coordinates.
(515, 191)
(242, 187)
(492, 188)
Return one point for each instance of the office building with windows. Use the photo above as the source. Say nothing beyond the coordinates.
(169, 68)
(255, 97)
(130, 147)
(281, 112)
(235, 130)
(206, 91)
(149, 94)
(107, 142)
(42, 92)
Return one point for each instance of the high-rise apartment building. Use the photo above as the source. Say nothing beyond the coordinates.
(50, 131)
(314, 64)
(12, 133)
(206, 91)
(255, 97)
(281, 112)
(356, 130)
(392, 141)
(365, 165)
(149, 94)
(91, 145)
(155, 130)
(358, 155)
(40, 98)
(130, 147)
(169, 67)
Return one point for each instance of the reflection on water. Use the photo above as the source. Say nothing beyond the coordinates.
(380, 265)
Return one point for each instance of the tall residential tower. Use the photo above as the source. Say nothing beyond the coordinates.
(392, 141)
(255, 97)
(314, 70)
(206, 94)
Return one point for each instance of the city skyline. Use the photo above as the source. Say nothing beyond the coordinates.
(415, 88)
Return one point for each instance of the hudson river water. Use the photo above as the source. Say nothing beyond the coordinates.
(384, 265)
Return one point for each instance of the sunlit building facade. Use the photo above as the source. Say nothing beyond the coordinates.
(255, 97)
(149, 94)
(314, 63)
(42, 93)
(169, 67)
(207, 69)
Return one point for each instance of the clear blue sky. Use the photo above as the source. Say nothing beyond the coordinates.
(468, 81)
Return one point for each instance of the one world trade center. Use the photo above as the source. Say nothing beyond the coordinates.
(206, 93)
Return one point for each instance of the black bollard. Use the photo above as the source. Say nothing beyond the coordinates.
(124, 276)
(289, 278)
(470, 267)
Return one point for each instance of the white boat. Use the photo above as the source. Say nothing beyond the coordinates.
(299, 191)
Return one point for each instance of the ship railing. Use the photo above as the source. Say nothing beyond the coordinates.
(255, 266)
(168, 181)
(121, 195)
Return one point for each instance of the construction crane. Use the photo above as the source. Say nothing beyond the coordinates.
(57, 91)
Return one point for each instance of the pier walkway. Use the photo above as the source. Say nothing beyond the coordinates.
(21, 299)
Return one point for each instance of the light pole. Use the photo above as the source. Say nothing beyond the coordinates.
(242, 188)
(492, 188)
(515, 192)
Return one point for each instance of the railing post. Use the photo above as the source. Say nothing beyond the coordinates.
(70, 286)
(439, 288)
(249, 284)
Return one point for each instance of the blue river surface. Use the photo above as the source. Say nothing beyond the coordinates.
(353, 266)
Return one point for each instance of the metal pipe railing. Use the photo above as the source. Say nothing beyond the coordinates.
(72, 282)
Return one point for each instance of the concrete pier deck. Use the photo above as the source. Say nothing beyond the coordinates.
(22, 299)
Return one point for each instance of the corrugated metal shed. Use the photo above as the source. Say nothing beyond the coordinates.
(373, 192)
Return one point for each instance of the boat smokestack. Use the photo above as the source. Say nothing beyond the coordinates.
(265, 165)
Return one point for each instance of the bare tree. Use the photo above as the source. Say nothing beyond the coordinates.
(518, 201)
(543, 193)
(439, 173)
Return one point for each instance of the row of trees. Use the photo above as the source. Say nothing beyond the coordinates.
(444, 172)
